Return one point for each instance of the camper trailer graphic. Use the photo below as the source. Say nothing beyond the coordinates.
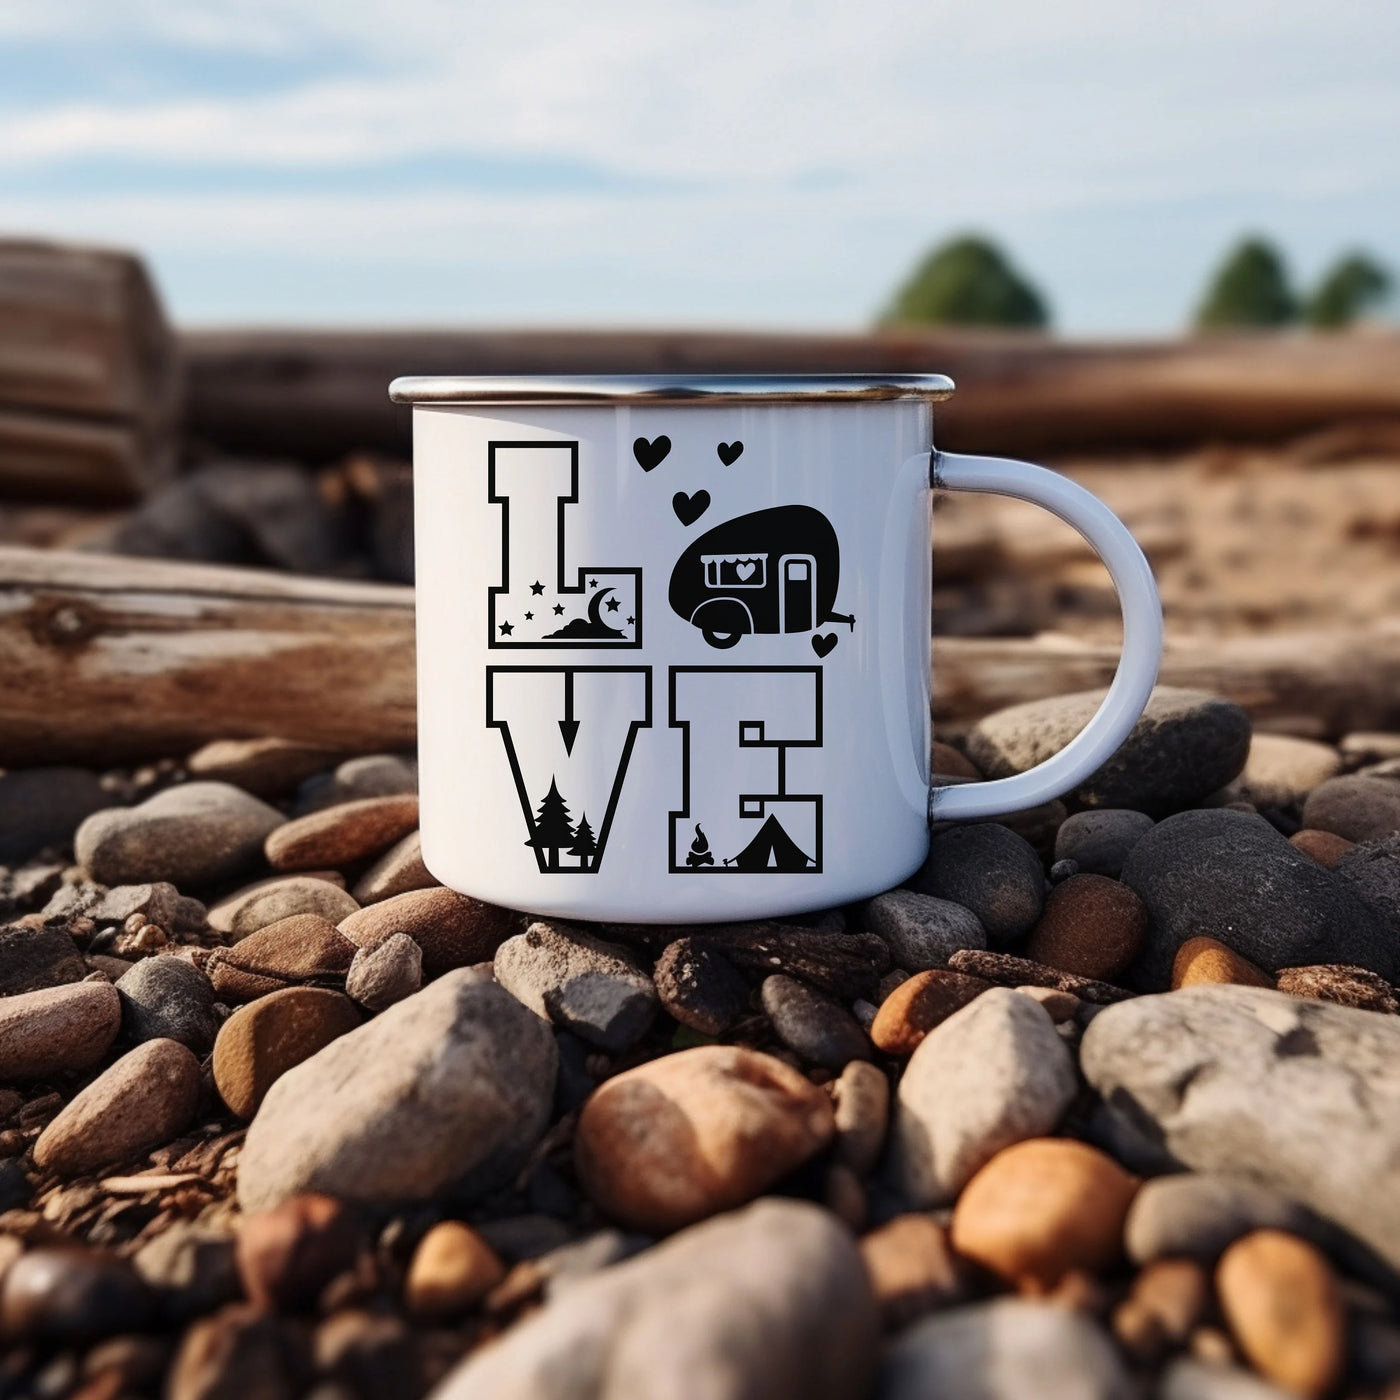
(771, 571)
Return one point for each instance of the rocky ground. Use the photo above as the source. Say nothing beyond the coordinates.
(1105, 1102)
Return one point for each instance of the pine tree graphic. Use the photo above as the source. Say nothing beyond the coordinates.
(584, 846)
(553, 829)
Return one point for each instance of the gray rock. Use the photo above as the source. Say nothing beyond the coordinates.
(192, 834)
(1189, 1379)
(1359, 807)
(168, 997)
(921, 930)
(158, 903)
(31, 958)
(267, 902)
(1100, 839)
(447, 1091)
(1299, 1095)
(990, 870)
(1004, 1350)
(385, 972)
(57, 1028)
(992, 1074)
(769, 1301)
(42, 807)
(1233, 877)
(372, 775)
(1186, 746)
(587, 986)
(572, 1263)
(191, 1267)
(1372, 869)
(813, 1025)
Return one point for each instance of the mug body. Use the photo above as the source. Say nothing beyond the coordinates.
(673, 658)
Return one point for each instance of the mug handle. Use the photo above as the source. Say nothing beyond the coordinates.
(1142, 634)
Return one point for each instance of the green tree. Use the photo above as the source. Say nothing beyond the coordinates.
(967, 282)
(1351, 286)
(1249, 289)
(553, 829)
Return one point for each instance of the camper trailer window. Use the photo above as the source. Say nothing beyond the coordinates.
(735, 570)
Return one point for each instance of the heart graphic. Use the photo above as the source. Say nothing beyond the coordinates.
(651, 454)
(729, 452)
(689, 509)
(823, 642)
(745, 571)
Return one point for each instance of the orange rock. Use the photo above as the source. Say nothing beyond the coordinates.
(1203, 960)
(1092, 926)
(1284, 1306)
(1325, 847)
(920, 1003)
(912, 1268)
(452, 929)
(453, 1268)
(1042, 1208)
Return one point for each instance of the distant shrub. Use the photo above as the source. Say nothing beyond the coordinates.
(1249, 289)
(967, 282)
(1354, 284)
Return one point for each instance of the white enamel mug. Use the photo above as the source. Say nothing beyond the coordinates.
(673, 639)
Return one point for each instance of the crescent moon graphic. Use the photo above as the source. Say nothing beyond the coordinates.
(595, 603)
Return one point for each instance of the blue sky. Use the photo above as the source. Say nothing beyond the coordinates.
(725, 162)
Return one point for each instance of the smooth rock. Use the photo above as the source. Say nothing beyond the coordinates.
(1166, 1302)
(145, 1099)
(260, 1042)
(990, 870)
(302, 951)
(1092, 926)
(42, 807)
(57, 1029)
(446, 1091)
(1323, 846)
(1343, 986)
(589, 987)
(677, 1139)
(370, 775)
(1008, 971)
(1007, 1349)
(66, 1295)
(861, 1099)
(1372, 869)
(1282, 770)
(452, 1270)
(267, 902)
(1186, 746)
(1201, 961)
(771, 1301)
(192, 834)
(699, 987)
(1059, 1006)
(919, 1004)
(949, 763)
(287, 1255)
(190, 1265)
(399, 870)
(1100, 839)
(921, 930)
(991, 1075)
(34, 958)
(814, 1026)
(453, 930)
(264, 767)
(168, 998)
(1231, 875)
(1300, 1095)
(386, 972)
(913, 1268)
(1189, 1379)
(1357, 807)
(340, 835)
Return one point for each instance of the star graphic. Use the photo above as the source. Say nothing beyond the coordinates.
(631, 620)
(613, 605)
(529, 617)
(593, 583)
(558, 608)
(537, 587)
(506, 629)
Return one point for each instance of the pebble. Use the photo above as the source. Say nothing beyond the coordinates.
(990, 870)
(371, 775)
(991, 1075)
(1205, 960)
(260, 1042)
(343, 834)
(41, 807)
(168, 998)
(846, 965)
(67, 1295)
(192, 834)
(1006, 1349)
(947, 761)
(304, 950)
(451, 1089)
(1092, 927)
(1369, 747)
(1284, 1307)
(699, 987)
(453, 930)
(267, 902)
(1100, 839)
(1059, 1006)
(1372, 869)
(386, 972)
(589, 987)
(34, 958)
(1009, 971)
(920, 1003)
(452, 1270)
(769, 1301)
(1356, 807)
(235, 1353)
(913, 1268)
(1186, 746)
(146, 1098)
(56, 1029)
(1344, 986)
(1323, 846)
(677, 1139)
(399, 870)
(264, 767)
(1041, 1209)
(1186, 1378)
(1232, 873)
(921, 930)
(1297, 1094)
(190, 1266)
(285, 1256)
(861, 1101)
(812, 1025)
(157, 901)
(1281, 770)
(1168, 1299)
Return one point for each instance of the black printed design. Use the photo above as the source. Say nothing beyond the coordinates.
(689, 509)
(651, 454)
(729, 452)
(535, 605)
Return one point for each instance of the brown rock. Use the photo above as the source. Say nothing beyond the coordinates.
(399, 870)
(65, 1294)
(1325, 847)
(452, 929)
(1006, 970)
(34, 958)
(920, 1003)
(1059, 1006)
(452, 1270)
(912, 1268)
(1284, 1307)
(1282, 770)
(264, 767)
(1167, 1301)
(267, 902)
(239, 1353)
(1342, 985)
(1358, 807)
(1201, 960)
(686, 1136)
(58, 1028)
(862, 1104)
(260, 1042)
(148, 1097)
(288, 1254)
(1042, 1208)
(949, 763)
(1092, 927)
(340, 835)
(304, 950)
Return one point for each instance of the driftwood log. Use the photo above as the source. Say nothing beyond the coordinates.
(110, 659)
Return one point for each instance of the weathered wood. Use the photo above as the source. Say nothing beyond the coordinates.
(70, 459)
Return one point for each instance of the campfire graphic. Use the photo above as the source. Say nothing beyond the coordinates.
(699, 850)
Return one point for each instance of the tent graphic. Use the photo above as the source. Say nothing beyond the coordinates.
(771, 849)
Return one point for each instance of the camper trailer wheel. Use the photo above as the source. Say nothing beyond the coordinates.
(722, 640)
